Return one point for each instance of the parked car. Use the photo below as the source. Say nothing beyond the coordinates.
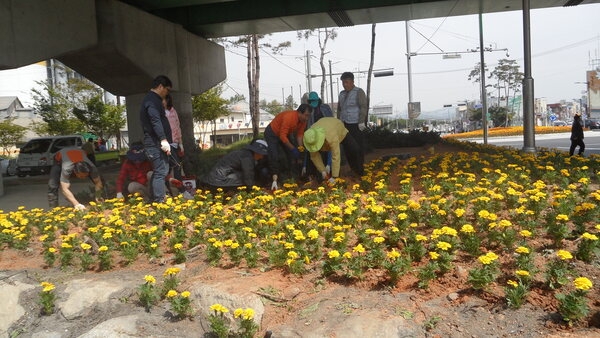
(8, 166)
(37, 156)
(592, 124)
(559, 123)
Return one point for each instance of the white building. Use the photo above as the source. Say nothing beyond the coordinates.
(12, 109)
(231, 128)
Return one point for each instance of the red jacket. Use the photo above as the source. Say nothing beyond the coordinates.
(285, 123)
(133, 172)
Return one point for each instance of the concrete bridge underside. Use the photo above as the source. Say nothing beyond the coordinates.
(119, 47)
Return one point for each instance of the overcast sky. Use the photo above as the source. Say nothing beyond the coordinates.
(564, 42)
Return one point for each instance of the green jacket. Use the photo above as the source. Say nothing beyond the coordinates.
(335, 132)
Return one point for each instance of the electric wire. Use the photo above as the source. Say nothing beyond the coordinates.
(440, 25)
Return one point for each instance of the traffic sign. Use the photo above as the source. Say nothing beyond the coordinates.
(552, 117)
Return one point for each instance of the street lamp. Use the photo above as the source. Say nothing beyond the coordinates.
(587, 103)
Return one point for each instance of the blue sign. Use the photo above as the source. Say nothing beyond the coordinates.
(552, 117)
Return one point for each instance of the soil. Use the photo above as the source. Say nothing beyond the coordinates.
(448, 308)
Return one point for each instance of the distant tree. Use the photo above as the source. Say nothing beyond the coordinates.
(236, 98)
(475, 74)
(208, 106)
(498, 115)
(102, 119)
(323, 36)
(53, 105)
(253, 46)
(274, 107)
(10, 134)
(289, 103)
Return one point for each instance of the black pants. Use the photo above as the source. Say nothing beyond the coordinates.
(354, 154)
(574, 144)
(278, 154)
(358, 137)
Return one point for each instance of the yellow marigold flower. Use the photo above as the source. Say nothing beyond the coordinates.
(359, 248)
(103, 248)
(402, 216)
(587, 235)
(413, 225)
(237, 313)
(219, 308)
(248, 245)
(467, 228)
(393, 254)
(43, 238)
(582, 283)
(248, 314)
(420, 238)
(47, 286)
(65, 245)
(51, 250)
(150, 279)
(171, 294)
(293, 255)
(564, 255)
(459, 212)
(333, 254)
(522, 250)
(85, 246)
(347, 255)
(185, 294)
(562, 217)
(434, 255)
(443, 245)
(313, 234)
(171, 271)
(525, 233)
(378, 239)
(488, 258)
(524, 273)
(153, 245)
(178, 246)
(512, 283)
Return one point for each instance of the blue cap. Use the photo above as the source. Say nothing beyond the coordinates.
(313, 99)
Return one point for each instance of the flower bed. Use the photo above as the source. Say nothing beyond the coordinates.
(521, 221)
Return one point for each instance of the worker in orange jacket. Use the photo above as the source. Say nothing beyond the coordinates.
(278, 134)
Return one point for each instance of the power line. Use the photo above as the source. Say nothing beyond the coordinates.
(281, 62)
(440, 25)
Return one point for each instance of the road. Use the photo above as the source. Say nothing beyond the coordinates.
(558, 141)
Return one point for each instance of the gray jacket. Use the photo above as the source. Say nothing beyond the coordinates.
(235, 169)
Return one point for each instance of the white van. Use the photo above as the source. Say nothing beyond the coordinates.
(36, 157)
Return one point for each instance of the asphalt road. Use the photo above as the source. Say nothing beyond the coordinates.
(559, 141)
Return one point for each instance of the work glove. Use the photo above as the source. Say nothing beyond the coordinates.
(274, 184)
(328, 169)
(361, 126)
(295, 153)
(176, 183)
(119, 195)
(80, 207)
(331, 181)
(324, 174)
(98, 194)
(165, 146)
(303, 173)
(181, 152)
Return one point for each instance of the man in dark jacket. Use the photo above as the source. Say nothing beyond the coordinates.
(157, 135)
(237, 169)
(577, 136)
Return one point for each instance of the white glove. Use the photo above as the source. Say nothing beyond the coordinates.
(274, 184)
(361, 126)
(80, 207)
(165, 146)
(181, 147)
(324, 174)
(303, 171)
(331, 180)
(328, 169)
(119, 195)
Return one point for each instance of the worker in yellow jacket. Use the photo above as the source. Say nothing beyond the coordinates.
(328, 134)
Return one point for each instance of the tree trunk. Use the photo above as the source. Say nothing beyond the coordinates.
(322, 46)
(370, 68)
(255, 100)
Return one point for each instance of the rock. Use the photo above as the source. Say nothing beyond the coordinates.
(122, 327)
(203, 296)
(47, 334)
(452, 296)
(10, 309)
(84, 294)
(291, 292)
(460, 272)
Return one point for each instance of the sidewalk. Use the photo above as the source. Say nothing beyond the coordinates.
(32, 191)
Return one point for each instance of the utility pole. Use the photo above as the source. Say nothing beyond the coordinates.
(408, 56)
(308, 76)
(528, 114)
(484, 108)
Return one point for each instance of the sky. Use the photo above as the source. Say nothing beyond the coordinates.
(565, 40)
